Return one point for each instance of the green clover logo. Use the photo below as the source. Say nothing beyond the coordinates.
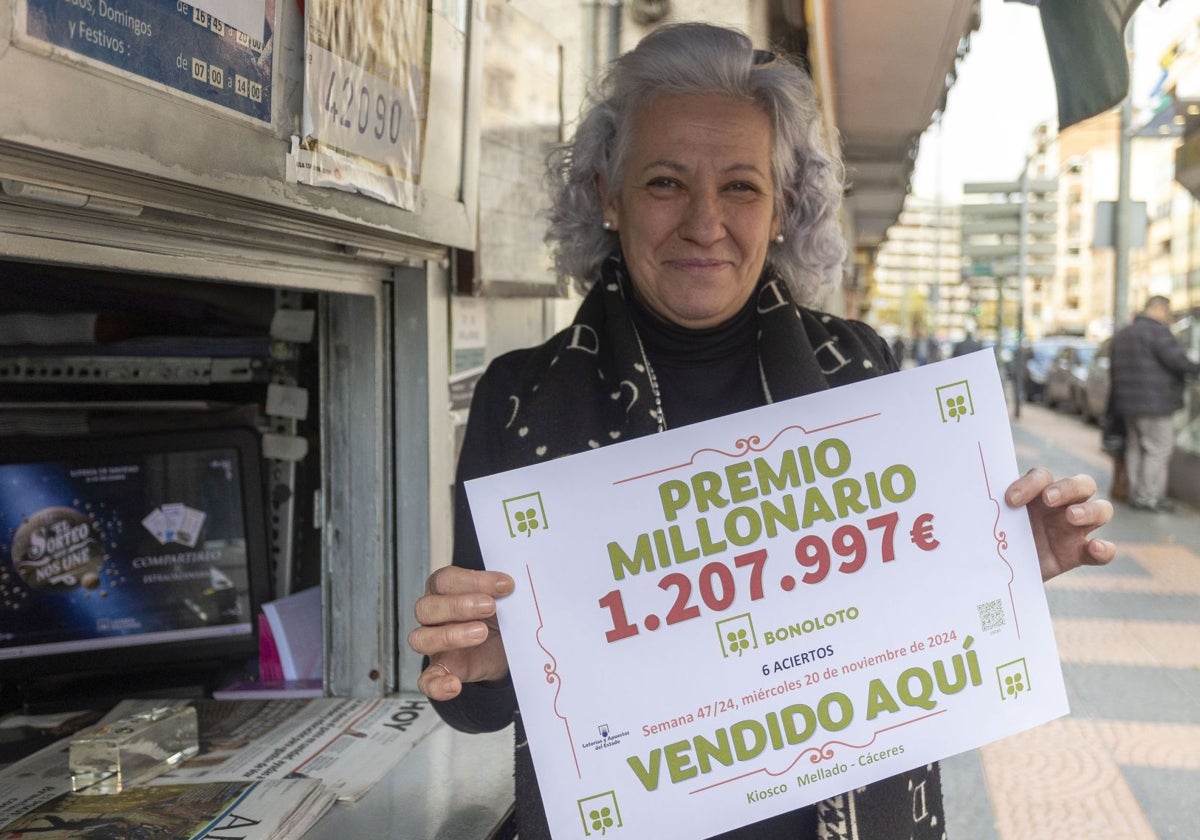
(737, 642)
(1013, 678)
(736, 635)
(600, 813)
(527, 521)
(601, 819)
(525, 514)
(1014, 684)
(956, 407)
(954, 400)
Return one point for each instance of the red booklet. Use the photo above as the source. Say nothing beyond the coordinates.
(270, 668)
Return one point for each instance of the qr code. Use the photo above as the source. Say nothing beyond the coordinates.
(991, 615)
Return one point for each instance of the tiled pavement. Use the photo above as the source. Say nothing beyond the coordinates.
(1125, 764)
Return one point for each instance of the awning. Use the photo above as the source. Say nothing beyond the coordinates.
(882, 68)
(1086, 44)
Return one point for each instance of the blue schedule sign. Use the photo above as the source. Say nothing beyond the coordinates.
(173, 44)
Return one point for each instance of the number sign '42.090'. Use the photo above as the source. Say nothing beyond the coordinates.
(731, 620)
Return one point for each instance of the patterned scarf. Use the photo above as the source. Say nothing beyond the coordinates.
(592, 385)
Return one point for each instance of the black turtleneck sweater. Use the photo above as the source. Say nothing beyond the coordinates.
(702, 373)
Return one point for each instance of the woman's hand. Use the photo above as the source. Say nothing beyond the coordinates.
(458, 630)
(1062, 514)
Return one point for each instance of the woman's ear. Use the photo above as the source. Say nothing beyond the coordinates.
(776, 224)
(608, 203)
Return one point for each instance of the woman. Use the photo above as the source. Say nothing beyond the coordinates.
(699, 194)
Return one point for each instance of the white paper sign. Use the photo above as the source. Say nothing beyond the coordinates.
(738, 618)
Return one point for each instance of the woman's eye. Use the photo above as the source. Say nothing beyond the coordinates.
(662, 183)
(742, 187)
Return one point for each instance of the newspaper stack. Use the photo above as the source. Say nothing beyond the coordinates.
(277, 763)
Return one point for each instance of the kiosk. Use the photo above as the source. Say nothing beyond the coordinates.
(204, 226)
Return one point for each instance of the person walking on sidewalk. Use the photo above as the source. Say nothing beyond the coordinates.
(968, 344)
(1148, 371)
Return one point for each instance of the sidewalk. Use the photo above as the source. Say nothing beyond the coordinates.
(1125, 764)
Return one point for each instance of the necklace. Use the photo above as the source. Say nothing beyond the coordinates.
(659, 417)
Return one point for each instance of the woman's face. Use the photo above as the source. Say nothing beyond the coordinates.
(696, 208)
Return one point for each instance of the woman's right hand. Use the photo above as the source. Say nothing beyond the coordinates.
(458, 630)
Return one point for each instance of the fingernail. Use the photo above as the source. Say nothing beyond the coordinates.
(484, 605)
(1053, 495)
(505, 585)
(1014, 498)
(477, 631)
(1075, 513)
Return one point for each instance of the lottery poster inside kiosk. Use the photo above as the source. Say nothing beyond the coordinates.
(182, 47)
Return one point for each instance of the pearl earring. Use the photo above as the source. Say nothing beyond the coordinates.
(606, 224)
(779, 239)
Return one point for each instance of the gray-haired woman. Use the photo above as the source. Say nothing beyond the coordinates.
(697, 208)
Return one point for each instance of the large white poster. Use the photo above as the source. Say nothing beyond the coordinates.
(731, 620)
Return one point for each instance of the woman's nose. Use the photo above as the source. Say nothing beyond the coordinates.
(702, 221)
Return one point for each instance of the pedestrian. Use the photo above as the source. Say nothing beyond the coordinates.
(968, 344)
(1148, 371)
(924, 347)
(697, 206)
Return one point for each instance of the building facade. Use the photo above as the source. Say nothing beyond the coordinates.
(917, 282)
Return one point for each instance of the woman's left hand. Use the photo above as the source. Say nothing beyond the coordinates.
(1062, 514)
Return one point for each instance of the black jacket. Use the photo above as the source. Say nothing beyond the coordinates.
(1148, 369)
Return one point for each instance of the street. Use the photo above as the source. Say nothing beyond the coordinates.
(1125, 764)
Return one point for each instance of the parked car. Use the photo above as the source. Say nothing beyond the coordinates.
(1096, 384)
(1038, 356)
(1066, 376)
